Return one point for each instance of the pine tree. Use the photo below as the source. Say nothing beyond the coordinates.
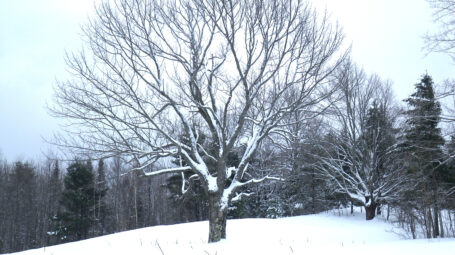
(422, 135)
(422, 144)
(78, 200)
(191, 201)
(448, 175)
(376, 143)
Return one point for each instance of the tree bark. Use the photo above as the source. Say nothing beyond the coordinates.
(217, 219)
(412, 226)
(388, 212)
(436, 222)
(370, 211)
(428, 223)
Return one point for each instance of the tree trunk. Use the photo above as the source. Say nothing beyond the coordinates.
(441, 225)
(388, 212)
(436, 232)
(451, 225)
(217, 219)
(412, 226)
(370, 211)
(428, 222)
(436, 222)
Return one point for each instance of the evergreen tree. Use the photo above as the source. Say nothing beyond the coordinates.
(422, 135)
(448, 175)
(191, 201)
(376, 142)
(78, 201)
(422, 146)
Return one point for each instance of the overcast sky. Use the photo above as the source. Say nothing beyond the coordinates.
(386, 37)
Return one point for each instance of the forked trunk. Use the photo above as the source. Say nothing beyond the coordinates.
(217, 219)
(370, 209)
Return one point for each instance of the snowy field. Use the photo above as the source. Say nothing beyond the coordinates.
(325, 233)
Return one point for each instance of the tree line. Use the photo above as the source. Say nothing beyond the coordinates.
(45, 203)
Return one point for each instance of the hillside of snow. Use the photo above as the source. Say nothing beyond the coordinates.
(325, 233)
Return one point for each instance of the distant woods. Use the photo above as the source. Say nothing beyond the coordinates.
(51, 202)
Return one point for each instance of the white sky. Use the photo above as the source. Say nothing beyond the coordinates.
(386, 37)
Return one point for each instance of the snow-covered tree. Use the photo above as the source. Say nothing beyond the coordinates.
(358, 156)
(303, 191)
(422, 144)
(156, 71)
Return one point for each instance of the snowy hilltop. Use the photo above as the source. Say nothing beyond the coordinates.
(325, 233)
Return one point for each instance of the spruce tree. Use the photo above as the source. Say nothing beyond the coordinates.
(422, 135)
(78, 200)
(376, 143)
(422, 144)
(448, 175)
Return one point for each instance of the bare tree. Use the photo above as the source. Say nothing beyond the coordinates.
(157, 71)
(444, 39)
(358, 157)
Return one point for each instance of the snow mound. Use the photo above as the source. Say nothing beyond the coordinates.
(334, 232)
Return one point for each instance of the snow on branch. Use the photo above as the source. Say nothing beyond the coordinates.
(266, 178)
(168, 171)
(239, 196)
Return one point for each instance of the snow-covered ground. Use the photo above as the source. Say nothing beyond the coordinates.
(326, 233)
